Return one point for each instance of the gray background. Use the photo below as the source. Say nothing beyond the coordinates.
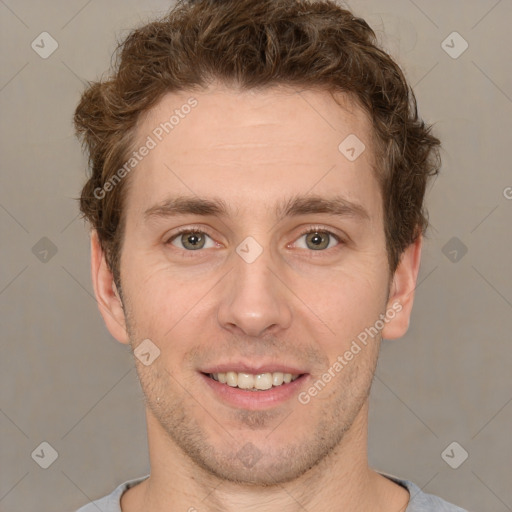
(66, 381)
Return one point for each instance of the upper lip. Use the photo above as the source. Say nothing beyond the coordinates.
(253, 369)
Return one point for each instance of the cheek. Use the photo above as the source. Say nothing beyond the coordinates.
(156, 295)
(341, 299)
(165, 307)
(345, 300)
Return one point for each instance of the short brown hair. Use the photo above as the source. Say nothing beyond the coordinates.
(253, 44)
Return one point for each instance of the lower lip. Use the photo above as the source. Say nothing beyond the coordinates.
(255, 400)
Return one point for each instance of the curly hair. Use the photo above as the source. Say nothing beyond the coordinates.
(255, 44)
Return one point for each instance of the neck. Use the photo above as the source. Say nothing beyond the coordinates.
(341, 481)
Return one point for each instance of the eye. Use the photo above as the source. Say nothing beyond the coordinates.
(318, 239)
(191, 240)
(315, 238)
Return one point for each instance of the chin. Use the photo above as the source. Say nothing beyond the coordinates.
(261, 474)
(260, 462)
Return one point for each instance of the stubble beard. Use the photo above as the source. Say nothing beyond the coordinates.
(241, 456)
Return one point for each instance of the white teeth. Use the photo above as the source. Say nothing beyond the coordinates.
(245, 381)
(277, 378)
(261, 381)
(231, 379)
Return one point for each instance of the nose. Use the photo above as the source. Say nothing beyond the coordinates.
(253, 298)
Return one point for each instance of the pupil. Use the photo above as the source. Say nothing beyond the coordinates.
(194, 239)
(316, 239)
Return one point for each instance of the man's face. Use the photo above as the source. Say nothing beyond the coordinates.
(212, 303)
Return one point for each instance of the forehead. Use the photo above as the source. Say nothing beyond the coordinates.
(253, 147)
(223, 117)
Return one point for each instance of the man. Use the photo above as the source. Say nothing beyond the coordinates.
(256, 203)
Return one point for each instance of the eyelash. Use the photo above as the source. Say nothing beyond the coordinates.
(320, 229)
(306, 231)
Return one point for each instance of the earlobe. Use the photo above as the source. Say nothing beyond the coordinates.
(107, 296)
(401, 296)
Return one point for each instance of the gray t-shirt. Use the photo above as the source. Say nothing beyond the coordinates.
(419, 501)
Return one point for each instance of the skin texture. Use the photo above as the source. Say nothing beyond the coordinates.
(293, 305)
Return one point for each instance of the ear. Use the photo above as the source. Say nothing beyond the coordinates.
(401, 295)
(107, 297)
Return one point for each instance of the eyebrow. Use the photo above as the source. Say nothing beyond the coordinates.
(294, 206)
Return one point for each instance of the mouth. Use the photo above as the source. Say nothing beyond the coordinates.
(254, 390)
(254, 382)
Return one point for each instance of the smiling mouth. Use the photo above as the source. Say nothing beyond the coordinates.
(254, 382)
